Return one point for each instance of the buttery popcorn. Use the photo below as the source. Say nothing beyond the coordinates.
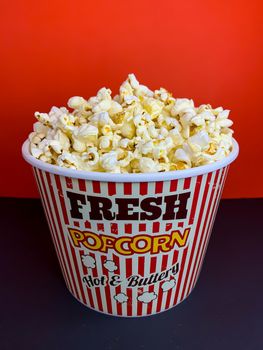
(136, 131)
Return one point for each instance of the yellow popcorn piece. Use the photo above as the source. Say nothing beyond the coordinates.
(212, 148)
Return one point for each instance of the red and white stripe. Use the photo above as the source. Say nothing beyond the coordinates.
(202, 206)
(209, 224)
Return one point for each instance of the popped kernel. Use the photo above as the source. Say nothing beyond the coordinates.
(91, 157)
(109, 161)
(138, 130)
(104, 142)
(212, 149)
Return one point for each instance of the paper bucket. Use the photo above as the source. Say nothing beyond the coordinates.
(130, 244)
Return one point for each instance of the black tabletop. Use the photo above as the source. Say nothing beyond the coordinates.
(225, 310)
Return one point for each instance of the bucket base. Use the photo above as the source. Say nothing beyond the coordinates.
(133, 316)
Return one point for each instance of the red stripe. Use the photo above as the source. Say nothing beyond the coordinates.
(160, 293)
(168, 226)
(141, 262)
(169, 293)
(143, 188)
(202, 235)
(111, 188)
(142, 227)
(99, 301)
(156, 227)
(97, 289)
(193, 208)
(106, 288)
(195, 200)
(51, 227)
(90, 298)
(60, 233)
(128, 263)
(196, 234)
(69, 182)
(128, 228)
(114, 228)
(173, 185)
(179, 279)
(100, 227)
(151, 288)
(164, 262)
(87, 224)
(159, 187)
(211, 222)
(116, 259)
(96, 186)
(82, 185)
(127, 188)
(187, 183)
(62, 203)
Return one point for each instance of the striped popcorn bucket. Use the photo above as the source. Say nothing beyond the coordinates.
(130, 244)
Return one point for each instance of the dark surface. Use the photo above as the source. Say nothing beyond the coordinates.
(225, 311)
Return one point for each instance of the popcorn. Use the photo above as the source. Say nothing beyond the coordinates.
(115, 108)
(91, 157)
(181, 154)
(77, 102)
(136, 131)
(147, 165)
(133, 81)
(78, 146)
(35, 151)
(128, 129)
(109, 161)
(201, 140)
(104, 142)
(68, 160)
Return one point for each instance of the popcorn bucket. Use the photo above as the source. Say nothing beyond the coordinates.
(130, 244)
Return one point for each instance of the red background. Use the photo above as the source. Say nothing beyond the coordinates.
(208, 50)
